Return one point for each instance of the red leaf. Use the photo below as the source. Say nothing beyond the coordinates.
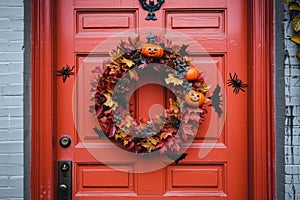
(112, 131)
(137, 148)
(163, 149)
(194, 117)
(99, 111)
(169, 142)
(183, 135)
(132, 144)
(160, 144)
(176, 146)
(187, 129)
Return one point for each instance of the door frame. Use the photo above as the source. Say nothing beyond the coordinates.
(261, 139)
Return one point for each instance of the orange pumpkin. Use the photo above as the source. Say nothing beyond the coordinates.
(152, 51)
(194, 98)
(192, 74)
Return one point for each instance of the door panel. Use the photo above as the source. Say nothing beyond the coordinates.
(200, 179)
(219, 26)
(203, 21)
(111, 180)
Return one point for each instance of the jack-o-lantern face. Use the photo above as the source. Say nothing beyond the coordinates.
(153, 51)
(194, 98)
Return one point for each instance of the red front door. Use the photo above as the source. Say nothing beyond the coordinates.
(216, 166)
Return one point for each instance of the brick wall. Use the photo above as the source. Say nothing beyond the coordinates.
(11, 99)
(292, 111)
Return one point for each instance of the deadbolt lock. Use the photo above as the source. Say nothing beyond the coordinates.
(65, 167)
(65, 141)
(64, 190)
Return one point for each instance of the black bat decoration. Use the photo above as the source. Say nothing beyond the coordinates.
(216, 101)
(176, 157)
(183, 51)
(151, 8)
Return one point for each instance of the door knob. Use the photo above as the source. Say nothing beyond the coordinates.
(65, 141)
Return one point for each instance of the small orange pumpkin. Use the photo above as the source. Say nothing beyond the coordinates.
(152, 51)
(194, 98)
(192, 74)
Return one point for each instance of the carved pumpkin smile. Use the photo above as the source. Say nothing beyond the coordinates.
(194, 98)
(152, 51)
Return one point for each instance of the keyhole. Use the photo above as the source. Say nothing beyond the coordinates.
(65, 167)
(65, 141)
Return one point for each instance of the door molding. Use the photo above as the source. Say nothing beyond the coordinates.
(261, 101)
(260, 111)
(42, 159)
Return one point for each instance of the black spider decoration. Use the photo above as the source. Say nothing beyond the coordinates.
(65, 72)
(151, 7)
(236, 83)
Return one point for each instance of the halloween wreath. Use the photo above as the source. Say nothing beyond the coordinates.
(111, 87)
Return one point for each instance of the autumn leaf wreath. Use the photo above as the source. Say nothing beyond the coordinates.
(113, 81)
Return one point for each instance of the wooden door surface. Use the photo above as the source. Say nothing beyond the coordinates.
(220, 27)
